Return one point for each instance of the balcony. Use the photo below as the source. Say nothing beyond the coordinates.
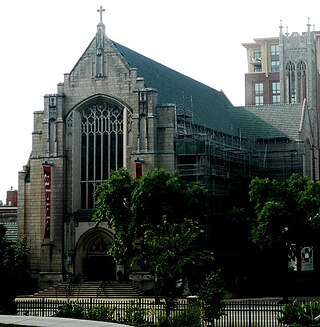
(256, 61)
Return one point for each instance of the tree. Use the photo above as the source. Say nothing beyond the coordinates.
(287, 212)
(164, 213)
(14, 270)
(114, 204)
(211, 294)
(166, 251)
(169, 254)
(160, 192)
(127, 204)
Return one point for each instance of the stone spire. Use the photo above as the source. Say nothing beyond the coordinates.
(309, 38)
(281, 33)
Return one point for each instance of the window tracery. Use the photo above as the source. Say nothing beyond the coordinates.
(102, 129)
(302, 80)
(291, 82)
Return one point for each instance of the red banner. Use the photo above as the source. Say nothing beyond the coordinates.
(47, 199)
(138, 170)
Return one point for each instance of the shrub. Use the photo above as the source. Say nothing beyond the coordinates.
(71, 310)
(211, 295)
(101, 313)
(300, 314)
(135, 314)
(191, 317)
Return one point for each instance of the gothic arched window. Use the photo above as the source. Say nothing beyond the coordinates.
(302, 81)
(101, 146)
(291, 82)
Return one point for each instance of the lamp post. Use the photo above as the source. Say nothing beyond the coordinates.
(285, 275)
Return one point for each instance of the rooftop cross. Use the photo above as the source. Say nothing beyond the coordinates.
(101, 10)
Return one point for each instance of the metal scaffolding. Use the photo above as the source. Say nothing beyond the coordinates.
(218, 159)
(212, 157)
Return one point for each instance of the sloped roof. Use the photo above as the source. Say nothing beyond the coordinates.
(211, 108)
(270, 121)
(209, 105)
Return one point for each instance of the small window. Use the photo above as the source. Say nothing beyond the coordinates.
(257, 68)
(257, 56)
(258, 94)
(301, 81)
(274, 55)
(275, 65)
(291, 82)
(275, 89)
(274, 49)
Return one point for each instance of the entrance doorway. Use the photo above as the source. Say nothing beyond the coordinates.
(100, 267)
(92, 260)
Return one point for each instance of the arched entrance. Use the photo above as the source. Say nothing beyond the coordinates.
(92, 261)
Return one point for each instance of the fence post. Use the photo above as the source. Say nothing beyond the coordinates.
(43, 299)
(249, 313)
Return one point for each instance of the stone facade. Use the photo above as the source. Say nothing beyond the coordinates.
(109, 113)
(146, 133)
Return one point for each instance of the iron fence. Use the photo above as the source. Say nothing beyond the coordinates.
(244, 313)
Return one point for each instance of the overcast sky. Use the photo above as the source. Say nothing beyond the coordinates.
(42, 40)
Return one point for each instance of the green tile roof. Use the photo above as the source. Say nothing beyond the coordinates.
(209, 106)
(11, 231)
(269, 121)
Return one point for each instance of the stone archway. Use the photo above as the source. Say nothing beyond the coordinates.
(92, 261)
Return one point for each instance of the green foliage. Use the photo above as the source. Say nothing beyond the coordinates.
(75, 310)
(160, 192)
(113, 199)
(14, 270)
(191, 317)
(211, 295)
(271, 221)
(292, 205)
(101, 313)
(164, 213)
(198, 267)
(135, 314)
(114, 204)
(168, 254)
(71, 310)
(21, 255)
(167, 250)
(128, 204)
(300, 314)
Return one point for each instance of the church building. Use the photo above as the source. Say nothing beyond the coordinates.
(117, 108)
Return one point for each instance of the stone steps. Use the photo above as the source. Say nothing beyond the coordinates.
(90, 290)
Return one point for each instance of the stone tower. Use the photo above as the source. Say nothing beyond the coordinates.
(298, 67)
(102, 118)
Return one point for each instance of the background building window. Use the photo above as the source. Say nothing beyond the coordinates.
(275, 66)
(274, 52)
(257, 60)
(274, 49)
(258, 94)
(275, 89)
(257, 55)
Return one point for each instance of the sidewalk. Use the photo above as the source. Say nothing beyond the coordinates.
(54, 321)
